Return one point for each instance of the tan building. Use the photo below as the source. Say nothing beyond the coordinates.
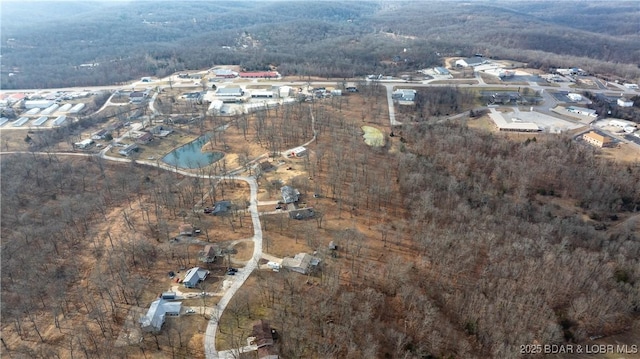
(595, 139)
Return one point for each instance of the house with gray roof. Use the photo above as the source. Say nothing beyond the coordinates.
(301, 263)
(194, 276)
(159, 309)
(290, 194)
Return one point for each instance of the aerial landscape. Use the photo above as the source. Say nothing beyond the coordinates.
(320, 179)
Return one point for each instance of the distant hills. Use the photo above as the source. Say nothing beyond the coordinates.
(43, 44)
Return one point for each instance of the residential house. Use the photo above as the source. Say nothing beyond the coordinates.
(290, 194)
(302, 213)
(194, 276)
(264, 337)
(159, 309)
(136, 97)
(596, 139)
(145, 138)
(301, 263)
(265, 166)
(161, 130)
(221, 207)
(127, 151)
(210, 253)
(100, 135)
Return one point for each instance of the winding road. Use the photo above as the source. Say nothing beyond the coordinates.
(243, 273)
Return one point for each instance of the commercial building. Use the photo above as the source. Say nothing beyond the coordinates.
(596, 139)
(623, 102)
(229, 92)
(259, 75)
(471, 61)
(582, 111)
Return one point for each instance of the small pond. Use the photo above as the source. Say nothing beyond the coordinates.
(191, 155)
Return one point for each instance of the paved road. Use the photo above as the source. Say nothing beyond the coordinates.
(243, 273)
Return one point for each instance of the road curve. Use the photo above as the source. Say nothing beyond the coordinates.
(241, 276)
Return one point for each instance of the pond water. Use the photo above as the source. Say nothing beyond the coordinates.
(191, 155)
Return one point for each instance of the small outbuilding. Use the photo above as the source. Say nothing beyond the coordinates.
(186, 230)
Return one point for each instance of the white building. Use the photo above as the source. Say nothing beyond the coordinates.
(631, 86)
(622, 123)
(297, 152)
(574, 97)
(49, 110)
(77, 108)
(65, 107)
(38, 104)
(582, 111)
(284, 91)
(471, 61)
(84, 143)
(623, 102)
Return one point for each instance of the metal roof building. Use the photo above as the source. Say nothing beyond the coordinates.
(194, 276)
(159, 309)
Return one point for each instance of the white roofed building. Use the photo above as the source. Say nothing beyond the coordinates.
(155, 317)
(623, 102)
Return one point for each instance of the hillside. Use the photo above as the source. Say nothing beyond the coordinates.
(133, 39)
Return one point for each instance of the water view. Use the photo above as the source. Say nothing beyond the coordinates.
(191, 155)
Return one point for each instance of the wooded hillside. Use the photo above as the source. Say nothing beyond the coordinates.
(134, 39)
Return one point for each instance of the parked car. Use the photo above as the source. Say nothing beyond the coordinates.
(231, 272)
(190, 311)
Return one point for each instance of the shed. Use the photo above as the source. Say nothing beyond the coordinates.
(168, 295)
(186, 230)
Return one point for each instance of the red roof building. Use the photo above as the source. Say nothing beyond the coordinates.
(259, 75)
